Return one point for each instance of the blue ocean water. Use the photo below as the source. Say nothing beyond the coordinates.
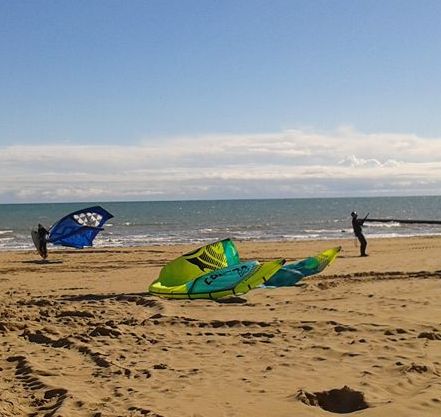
(158, 223)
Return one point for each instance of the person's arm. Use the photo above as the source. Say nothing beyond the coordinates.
(365, 217)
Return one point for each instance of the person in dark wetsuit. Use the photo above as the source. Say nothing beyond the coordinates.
(42, 238)
(357, 225)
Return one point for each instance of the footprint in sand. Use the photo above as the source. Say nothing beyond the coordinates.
(429, 336)
(49, 400)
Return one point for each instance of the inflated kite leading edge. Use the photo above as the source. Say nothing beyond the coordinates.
(233, 280)
(292, 273)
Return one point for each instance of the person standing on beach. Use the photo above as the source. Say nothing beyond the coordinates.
(42, 238)
(357, 225)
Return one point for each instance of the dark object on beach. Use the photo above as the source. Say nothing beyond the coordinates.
(339, 400)
(39, 237)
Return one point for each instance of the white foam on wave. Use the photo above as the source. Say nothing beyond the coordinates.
(388, 225)
(6, 246)
(309, 236)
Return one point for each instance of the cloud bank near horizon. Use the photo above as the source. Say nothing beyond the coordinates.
(288, 164)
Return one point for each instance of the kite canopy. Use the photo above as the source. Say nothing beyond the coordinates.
(79, 229)
(193, 264)
(290, 274)
(215, 271)
(233, 280)
(212, 271)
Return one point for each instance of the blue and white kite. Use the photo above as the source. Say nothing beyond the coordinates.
(76, 230)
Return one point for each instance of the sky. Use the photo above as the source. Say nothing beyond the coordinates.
(217, 99)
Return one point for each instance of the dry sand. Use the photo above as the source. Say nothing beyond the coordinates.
(81, 337)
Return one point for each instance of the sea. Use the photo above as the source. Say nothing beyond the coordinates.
(200, 222)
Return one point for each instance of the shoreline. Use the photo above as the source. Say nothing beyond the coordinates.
(197, 243)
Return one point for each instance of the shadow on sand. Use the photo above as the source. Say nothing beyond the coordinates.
(141, 298)
(134, 297)
(42, 262)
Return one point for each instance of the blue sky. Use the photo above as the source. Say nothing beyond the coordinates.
(219, 93)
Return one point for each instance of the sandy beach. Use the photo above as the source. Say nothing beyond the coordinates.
(80, 336)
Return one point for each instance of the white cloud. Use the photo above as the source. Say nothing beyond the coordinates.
(284, 164)
(354, 162)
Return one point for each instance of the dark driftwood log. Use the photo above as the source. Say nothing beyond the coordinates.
(404, 221)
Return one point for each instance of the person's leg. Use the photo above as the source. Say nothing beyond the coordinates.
(363, 245)
(43, 248)
(44, 251)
